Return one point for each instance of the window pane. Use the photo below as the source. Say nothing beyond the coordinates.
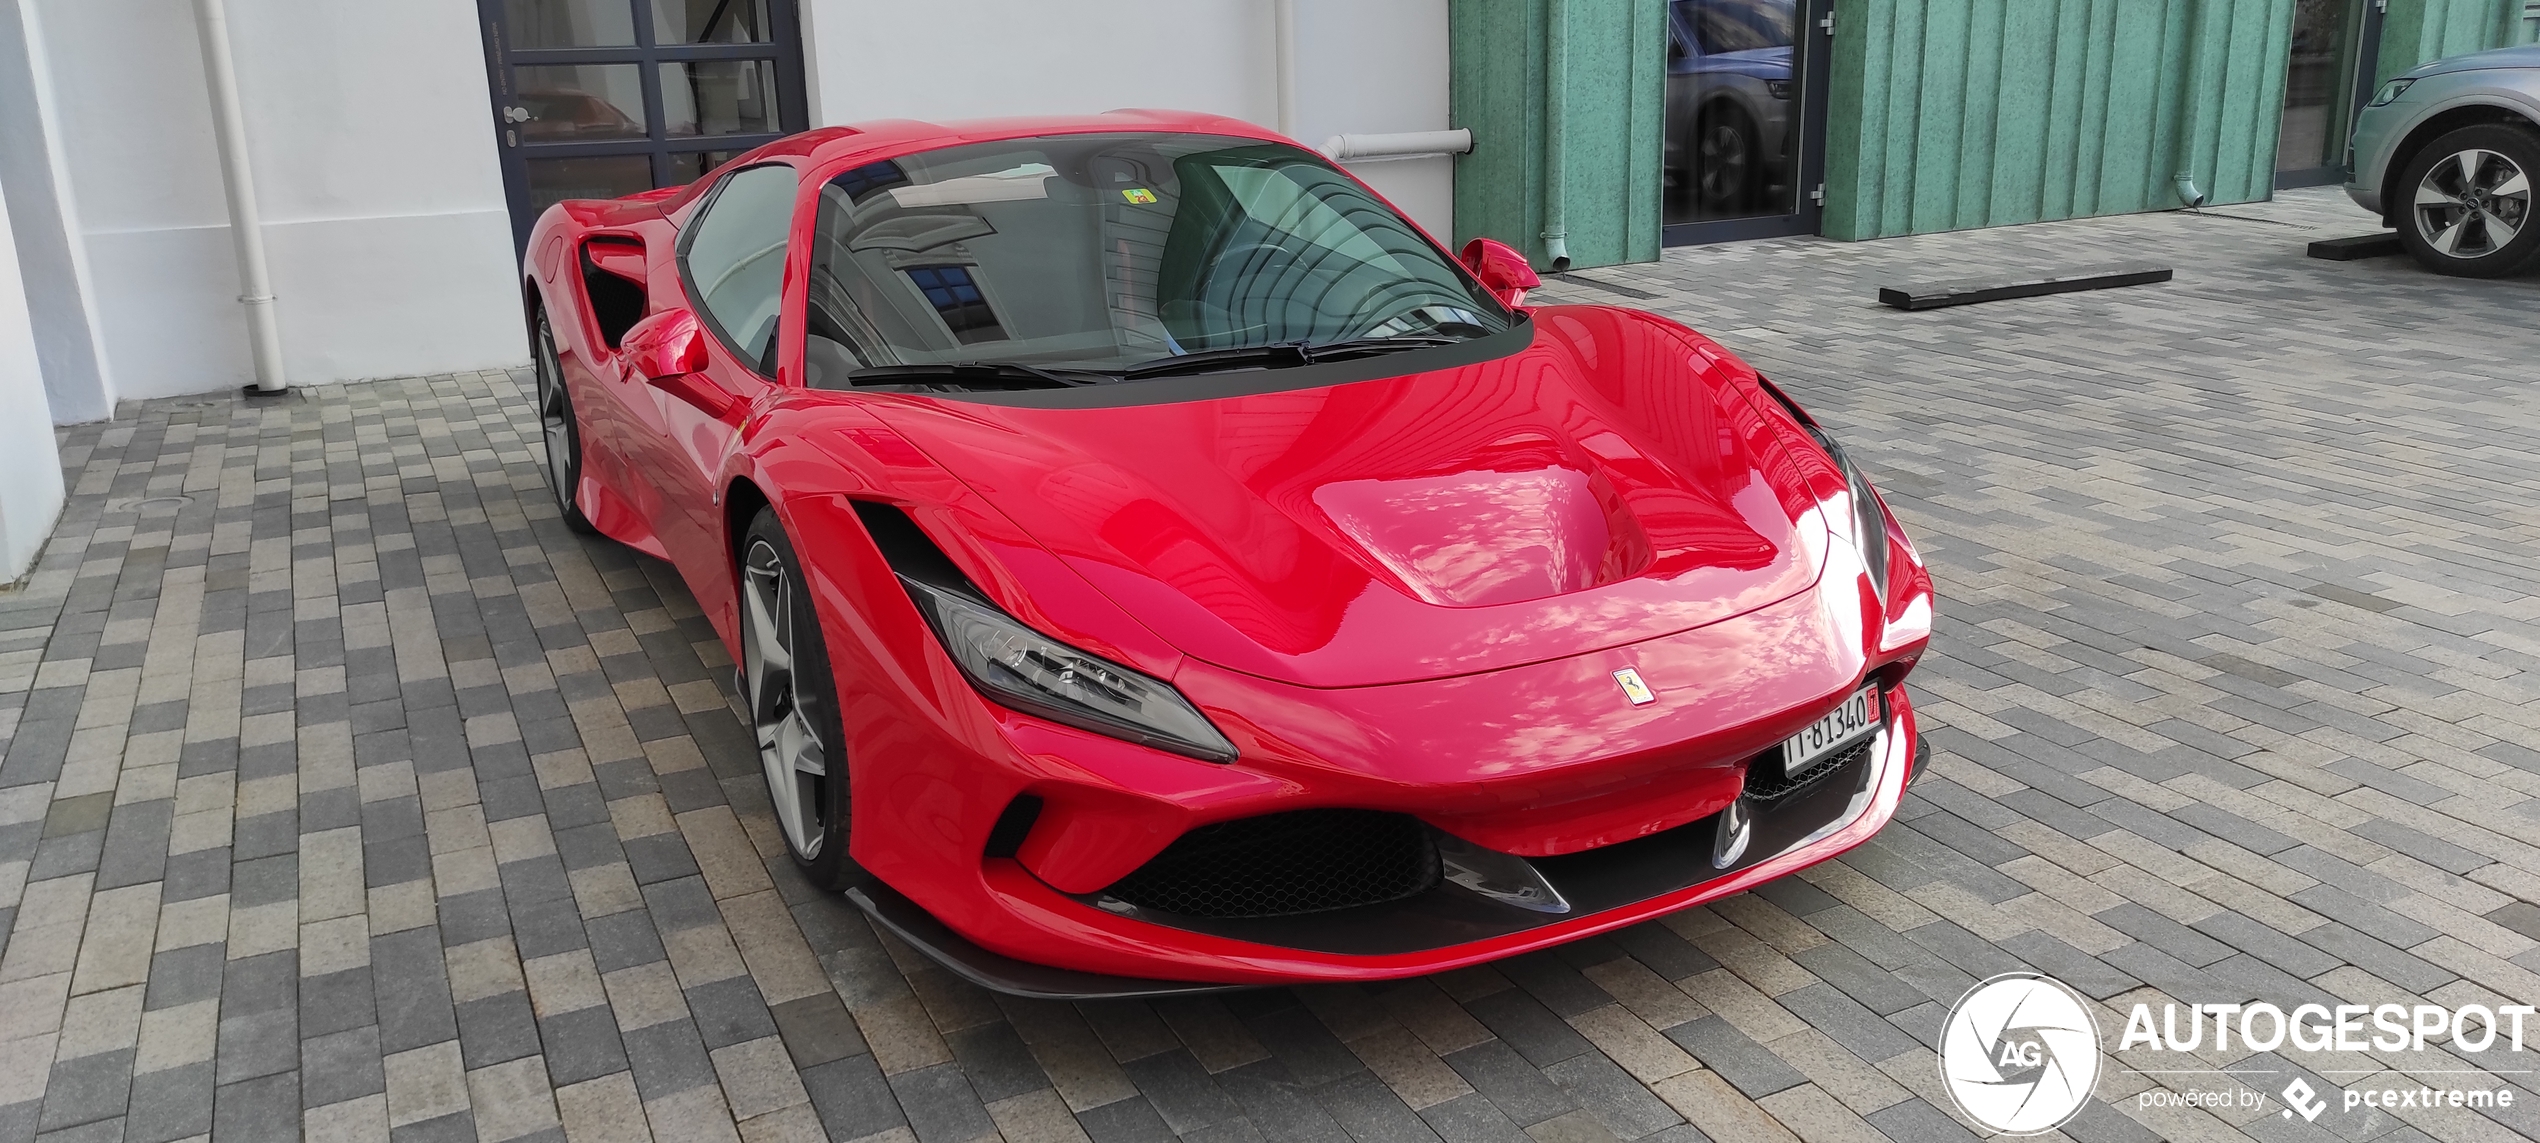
(710, 22)
(582, 103)
(723, 97)
(689, 166)
(2312, 134)
(569, 23)
(1731, 109)
(736, 257)
(553, 180)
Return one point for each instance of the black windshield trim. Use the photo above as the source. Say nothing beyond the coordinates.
(1253, 382)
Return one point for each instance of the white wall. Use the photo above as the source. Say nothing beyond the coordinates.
(51, 264)
(376, 172)
(1362, 66)
(30, 464)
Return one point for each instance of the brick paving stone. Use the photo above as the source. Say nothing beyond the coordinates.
(347, 793)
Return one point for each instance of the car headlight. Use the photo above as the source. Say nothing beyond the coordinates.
(2390, 92)
(1035, 674)
(1869, 519)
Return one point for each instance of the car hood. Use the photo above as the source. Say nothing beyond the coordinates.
(1610, 482)
(2524, 56)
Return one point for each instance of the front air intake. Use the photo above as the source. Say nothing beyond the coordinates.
(1278, 865)
(1766, 782)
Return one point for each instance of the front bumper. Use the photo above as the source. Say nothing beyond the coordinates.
(1610, 888)
(2377, 131)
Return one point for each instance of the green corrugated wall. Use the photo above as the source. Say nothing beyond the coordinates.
(1948, 114)
(1943, 114)
(1616, 100)
(2414, 31)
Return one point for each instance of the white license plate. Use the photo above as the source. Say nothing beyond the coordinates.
(1856, 719)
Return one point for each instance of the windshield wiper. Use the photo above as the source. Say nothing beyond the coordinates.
(1279, 355)
(981, 375)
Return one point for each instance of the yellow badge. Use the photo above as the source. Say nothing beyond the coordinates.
(1139, 195)
(1633, 688)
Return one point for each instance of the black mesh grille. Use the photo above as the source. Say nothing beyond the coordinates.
(1765, 781)
(1305, 861)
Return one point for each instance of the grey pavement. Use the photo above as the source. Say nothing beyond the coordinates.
(344, 794)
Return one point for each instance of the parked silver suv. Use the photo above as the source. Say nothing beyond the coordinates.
(2447, 153)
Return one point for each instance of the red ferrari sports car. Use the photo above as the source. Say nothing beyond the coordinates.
(1153, 564)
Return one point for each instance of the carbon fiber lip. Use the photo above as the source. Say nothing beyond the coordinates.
(997, 972)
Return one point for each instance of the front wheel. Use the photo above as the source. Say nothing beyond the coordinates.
(2466, 202)
(562, 430)
(1728, 162)
(793, 703)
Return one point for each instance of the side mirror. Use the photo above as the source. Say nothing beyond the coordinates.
(667, 344)
(1502, 270)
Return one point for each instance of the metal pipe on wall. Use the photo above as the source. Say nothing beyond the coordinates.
(246, 227)
(1556, 100)
(2183, 143)
(1286, 15)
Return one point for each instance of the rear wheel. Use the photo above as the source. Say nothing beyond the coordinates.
(562, 430)
(793, 703)
(2465, 202)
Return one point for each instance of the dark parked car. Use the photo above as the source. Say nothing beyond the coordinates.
(1728, 108)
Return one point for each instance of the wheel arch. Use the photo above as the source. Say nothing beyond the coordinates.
(742, 499)
(2434, 127)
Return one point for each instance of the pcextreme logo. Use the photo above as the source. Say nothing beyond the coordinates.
(2020, 1054)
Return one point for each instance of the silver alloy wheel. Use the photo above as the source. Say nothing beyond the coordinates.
(789, 750)
(2472, 204)
(555, 417)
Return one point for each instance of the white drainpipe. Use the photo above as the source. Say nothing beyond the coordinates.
(1286, 11)
(237, 167)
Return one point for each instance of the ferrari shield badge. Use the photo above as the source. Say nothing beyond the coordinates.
(1633, 688)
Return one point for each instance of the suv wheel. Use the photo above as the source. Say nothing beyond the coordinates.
(2465, 201)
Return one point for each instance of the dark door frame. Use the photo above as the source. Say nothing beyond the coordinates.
(792, 103)
(2366, 61)
(1813, 51)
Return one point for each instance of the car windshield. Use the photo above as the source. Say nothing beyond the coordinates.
(1102, 252)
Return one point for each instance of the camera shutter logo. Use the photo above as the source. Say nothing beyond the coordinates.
(2019, 1054)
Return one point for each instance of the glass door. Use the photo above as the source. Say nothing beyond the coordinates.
(2326, 80)
(1745, 147)
(601, 98)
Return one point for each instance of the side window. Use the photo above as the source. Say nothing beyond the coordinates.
(734, 260)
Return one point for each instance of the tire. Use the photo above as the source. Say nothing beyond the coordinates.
(562, 429)
(2464, 202)
(1727, 161)
(791, 704)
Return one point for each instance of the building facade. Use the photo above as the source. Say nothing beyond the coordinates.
(398, 151)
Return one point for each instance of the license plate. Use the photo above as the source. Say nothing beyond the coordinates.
(1856, 719)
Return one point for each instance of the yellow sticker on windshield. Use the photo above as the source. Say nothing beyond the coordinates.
(1139, 195)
